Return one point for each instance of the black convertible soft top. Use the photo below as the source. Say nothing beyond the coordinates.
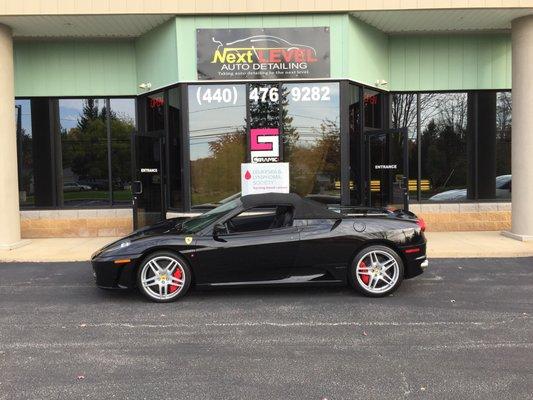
(303, 208)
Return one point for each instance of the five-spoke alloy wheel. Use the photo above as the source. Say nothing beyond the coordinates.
(163, 277)
(376, 271)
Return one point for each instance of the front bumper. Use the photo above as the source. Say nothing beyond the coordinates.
(109, 275)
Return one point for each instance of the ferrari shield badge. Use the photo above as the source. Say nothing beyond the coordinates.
(188, 239)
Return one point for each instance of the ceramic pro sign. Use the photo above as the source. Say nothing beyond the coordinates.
(259, 178)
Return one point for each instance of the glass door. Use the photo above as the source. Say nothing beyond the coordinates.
(148, 188)
(387, 168)
(148, 198)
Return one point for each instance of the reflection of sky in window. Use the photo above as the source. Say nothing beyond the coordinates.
(124, 108)
(70, 110)
(441, 107)
(207, 121)
(307, 116)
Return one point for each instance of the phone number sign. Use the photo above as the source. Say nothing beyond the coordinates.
(275, 53)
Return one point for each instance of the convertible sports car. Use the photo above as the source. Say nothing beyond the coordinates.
(264, 239)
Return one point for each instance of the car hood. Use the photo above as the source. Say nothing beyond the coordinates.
(168, 226)
(455, 194)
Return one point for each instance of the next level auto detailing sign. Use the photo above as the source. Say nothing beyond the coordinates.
(281, 53)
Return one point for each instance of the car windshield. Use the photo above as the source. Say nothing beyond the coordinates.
(198, 223)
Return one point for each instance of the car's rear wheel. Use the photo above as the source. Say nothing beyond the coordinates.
(164, 277)
(376, 271)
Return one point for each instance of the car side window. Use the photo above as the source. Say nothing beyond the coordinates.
(261, 218)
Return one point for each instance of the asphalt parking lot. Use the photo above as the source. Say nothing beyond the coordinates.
(462, 330)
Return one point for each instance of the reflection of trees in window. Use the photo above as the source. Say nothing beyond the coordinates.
(315, 160)
(443, 140)
(404, 110)
(84, 146)
(84, 152)
(503, 133)
(266, 114)
(26, 160)
(312, 144)
(217, 146)
(218, 176)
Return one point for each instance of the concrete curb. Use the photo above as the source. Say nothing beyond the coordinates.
(440, 245)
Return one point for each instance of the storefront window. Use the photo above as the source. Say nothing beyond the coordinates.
(63, 151)
(265, 102)
(217, 141)
(356, 143)
(443, 146)
(174, 149)
(25, 153)
(404, 115)
(84, 168)
(503, 145)
(122, 127)
(311, 139)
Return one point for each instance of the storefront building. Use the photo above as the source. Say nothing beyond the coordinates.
(387, 104)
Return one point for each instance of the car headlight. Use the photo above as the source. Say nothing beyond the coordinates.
(117, 246)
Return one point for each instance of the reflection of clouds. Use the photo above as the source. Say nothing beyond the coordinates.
(70, 111)
(123, 107)
(207, 122)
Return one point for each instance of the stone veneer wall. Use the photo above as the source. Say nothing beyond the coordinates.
(464, 217)
(454, 217)
(119, 222)
(75, 223)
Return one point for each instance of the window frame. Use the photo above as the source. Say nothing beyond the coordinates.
(418, 94)
(55, 125)
(257, 232)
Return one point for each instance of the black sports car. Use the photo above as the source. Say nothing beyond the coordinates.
(267, 239)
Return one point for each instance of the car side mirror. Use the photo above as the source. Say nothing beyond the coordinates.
(219, 229)
(136, 188)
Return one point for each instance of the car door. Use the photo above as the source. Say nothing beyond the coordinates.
(325, 249)
(265, 255)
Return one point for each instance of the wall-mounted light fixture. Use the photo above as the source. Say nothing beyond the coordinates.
(145, 86)
(381, 82)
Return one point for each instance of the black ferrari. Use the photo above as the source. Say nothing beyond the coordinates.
(267, 239)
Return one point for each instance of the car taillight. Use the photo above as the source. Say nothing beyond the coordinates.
(421, 223)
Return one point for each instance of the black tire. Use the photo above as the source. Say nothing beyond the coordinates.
(159, 258)
(387, 281)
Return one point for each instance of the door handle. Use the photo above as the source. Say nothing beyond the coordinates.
(136, 188)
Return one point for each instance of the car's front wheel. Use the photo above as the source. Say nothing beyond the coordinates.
(376, 271)
(164, 277)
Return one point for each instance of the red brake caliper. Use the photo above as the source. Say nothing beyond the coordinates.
(176, 274)
(362, 268)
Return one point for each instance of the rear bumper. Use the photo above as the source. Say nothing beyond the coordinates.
(416, 260)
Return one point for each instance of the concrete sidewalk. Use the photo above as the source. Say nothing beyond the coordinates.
(440, 245)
